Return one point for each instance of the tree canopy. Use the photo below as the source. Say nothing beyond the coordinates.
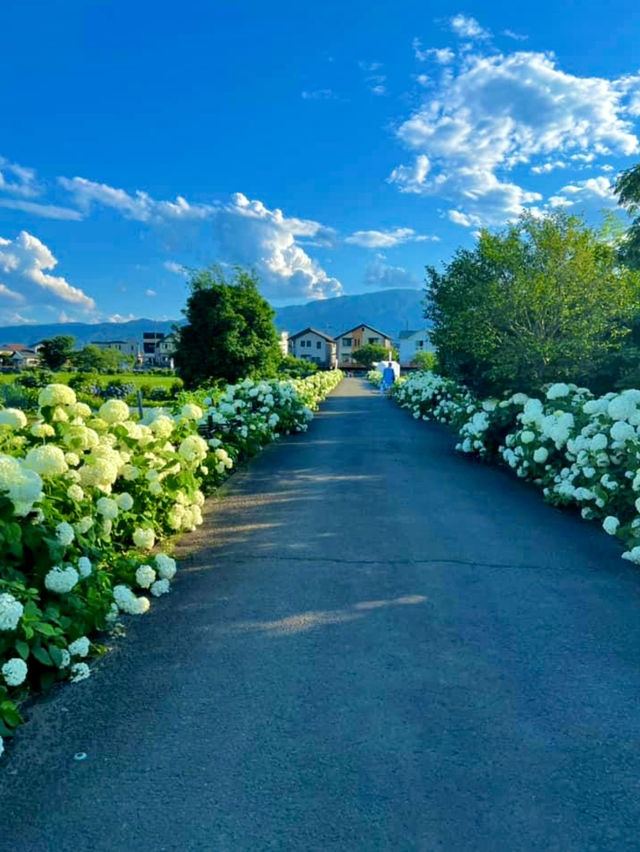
(94, 358)
(371, 353)
(544, 300)
(56, 351)
(627, 188)
(229, 333)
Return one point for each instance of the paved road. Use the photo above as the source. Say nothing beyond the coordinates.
(384, 646)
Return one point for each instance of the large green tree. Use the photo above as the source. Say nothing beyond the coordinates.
(56, 351)
(544, 300)
(229, 333)
(627, 188)
(92, 358)
(371, 353)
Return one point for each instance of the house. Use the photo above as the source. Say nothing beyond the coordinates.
(412, 342)
(25, 358)
(126, 347)
(165, 350)
(150, 343)
(313, 345)
(19, 356)
(350, 341)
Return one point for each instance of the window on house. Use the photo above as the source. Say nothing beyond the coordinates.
(318, 344)
(374, 340)
(420, 344)
(346, 341)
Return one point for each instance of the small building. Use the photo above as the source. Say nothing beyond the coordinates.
(410, 343)
(126, 347)
(150, 342)
(313, 345)
(350, 341)
(19, 356)
(165, 350)
(283, 343)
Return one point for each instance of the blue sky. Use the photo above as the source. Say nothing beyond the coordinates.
(337, 147)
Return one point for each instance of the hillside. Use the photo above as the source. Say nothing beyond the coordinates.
(388, 310)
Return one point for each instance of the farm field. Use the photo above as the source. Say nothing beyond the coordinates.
(138, 379)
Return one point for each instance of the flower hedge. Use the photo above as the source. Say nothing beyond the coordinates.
(581, 450)
(86, 496)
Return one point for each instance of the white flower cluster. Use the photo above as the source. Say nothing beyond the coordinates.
(10, 611)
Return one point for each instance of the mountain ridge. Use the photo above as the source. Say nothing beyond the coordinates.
(390, 311)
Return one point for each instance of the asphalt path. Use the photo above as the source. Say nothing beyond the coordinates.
(379, 644)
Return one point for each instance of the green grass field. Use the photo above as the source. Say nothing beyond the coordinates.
(137, 379)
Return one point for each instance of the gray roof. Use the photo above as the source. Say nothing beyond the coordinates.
(405, 335)
(312, 331)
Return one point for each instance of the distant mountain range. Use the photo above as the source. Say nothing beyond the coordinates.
(390, 311)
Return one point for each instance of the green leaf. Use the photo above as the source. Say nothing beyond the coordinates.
(46, 629)
(41, 655)
(10, 714)
(22, 648)
(56, 655)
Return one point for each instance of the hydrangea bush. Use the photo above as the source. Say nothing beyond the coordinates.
(85, 499)
(581, 450)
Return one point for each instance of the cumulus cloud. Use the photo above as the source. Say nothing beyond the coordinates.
(139, 206)
(597, 189)
(174, 267)
(491, 113)
(382, 276)
(249, 233)
(467, 27)
(387, 239)
(25, 265)
(515, 36)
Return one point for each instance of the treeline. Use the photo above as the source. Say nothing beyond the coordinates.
(544, 300)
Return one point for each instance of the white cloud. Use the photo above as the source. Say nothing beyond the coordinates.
(467, 27)
(249, 233)
(18, 180)
(382, 276)
(375, 81)
(545, 168)
(6, 293)
(443, 56)
(177, 268)
(47, 211)
(150, 292)
(492, 113)
(423, 80)
(24, 265)
(140, 206)
(387, 239)
(515, 36)
(597, 189)
(464, 219)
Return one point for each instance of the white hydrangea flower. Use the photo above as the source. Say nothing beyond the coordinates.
(42, 430)
(61, 580)
(559, 390)
(144, 538)
(621, 407)
(191, 411)
(84, 525)
(75, 493)
(125, 501)
(66, 658)
(160, 587)
(162, 426)
(79, 671)
(193, 449)
(23, 486)
(84, 567)
(114, 411)
(145, 576)
(633, 555)
(64, 533)
(621, 431)
(541, 455)
(128, 602)
(610, 525)
(54, 394)
(527, 436)
(107, 507)
(80, 647)
(15, 671)
(166, 566)
(14, 418)
(10, 611)
(47, 460)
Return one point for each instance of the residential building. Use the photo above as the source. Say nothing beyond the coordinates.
(350, 341)
(19, 356)
(126, 347)
(150, 342)
(313, 345)
(165, 350)
(412, 342)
